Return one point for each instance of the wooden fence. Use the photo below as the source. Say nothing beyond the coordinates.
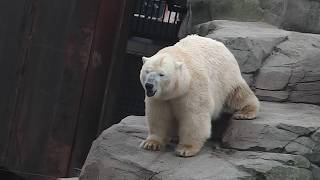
(58, 60)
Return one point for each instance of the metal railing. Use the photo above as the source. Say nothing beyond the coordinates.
(157, 19)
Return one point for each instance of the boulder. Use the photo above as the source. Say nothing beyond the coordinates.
(115, 154)
(279, 65)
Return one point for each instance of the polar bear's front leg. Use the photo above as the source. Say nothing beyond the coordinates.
(159, 121)
(194, 130)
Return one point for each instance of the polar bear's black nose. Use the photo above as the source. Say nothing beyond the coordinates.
(149, 86)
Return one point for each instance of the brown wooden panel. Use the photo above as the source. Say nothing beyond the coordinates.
(115, 68)
(55, 60)
(18, 175)
(52, 86)
(63, 131)
(108, 27)
(13, 27)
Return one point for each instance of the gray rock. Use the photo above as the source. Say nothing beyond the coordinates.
(314, 157)
(250, 42)
(301, 145)
(277, 96)
(273, 78)
(316, 136)
(284, 65)
(305, 96)
(315, 172)
(286, 128)
(300, 130)
(249, 79)
(302, 16)
(115, 154)
(297, 15)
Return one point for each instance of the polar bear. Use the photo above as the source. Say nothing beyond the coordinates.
(187, 85)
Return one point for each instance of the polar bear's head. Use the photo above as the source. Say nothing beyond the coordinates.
(160, 76)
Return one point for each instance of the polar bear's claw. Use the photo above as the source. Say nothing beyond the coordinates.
(184, 150)
(239, 116)
(150, 144)
(247, 113)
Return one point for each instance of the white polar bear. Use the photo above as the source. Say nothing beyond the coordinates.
(187, 85)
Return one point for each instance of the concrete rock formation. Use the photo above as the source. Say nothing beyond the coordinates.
(297, 15)
(282, 66)
(282, 128)
(255, 153)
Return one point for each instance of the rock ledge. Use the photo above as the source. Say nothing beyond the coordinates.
(290, 132)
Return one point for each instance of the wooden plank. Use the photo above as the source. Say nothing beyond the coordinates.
(56, 67)
(13, 27)
(5, 174)
(108, 24)
(117, 60)
(81, 34)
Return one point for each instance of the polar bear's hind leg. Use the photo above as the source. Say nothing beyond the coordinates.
(243, 103)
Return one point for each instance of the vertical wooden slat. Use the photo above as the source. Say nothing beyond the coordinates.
(52, 86)
(56, 58)
(15, 25)
(107, 29)
(114, 70)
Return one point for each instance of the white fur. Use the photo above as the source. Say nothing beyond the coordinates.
(200, 74)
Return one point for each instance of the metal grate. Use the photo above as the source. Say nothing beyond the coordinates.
(157, 19)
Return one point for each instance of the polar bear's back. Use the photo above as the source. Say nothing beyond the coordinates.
(207, 52)
(208, 61)
(209, 56)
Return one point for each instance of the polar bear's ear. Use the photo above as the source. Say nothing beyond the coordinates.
(144, 59)
(179, 65)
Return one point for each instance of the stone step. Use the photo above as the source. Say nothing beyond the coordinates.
(283, 128)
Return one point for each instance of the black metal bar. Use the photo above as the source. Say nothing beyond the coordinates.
(167, 27)
(148, 29)
(175, 18)
(139, 17)
(134, 20)
(145, 16)
(154, 23)
(174, 30)
(161, 28)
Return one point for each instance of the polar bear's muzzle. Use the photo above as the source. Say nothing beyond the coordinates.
(150, 89)
(151, 84)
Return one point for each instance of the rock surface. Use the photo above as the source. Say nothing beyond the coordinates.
(283, 128)
(116, 155)
(280, 65)
(294, 15)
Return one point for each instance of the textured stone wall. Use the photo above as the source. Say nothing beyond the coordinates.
(293, 15)
(282, 66)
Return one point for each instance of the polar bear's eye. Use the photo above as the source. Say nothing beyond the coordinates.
(161, 74)
(147, 71)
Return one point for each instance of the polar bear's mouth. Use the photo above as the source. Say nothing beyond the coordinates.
(151, 93)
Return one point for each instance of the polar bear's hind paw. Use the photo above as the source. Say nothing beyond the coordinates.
(247, 113)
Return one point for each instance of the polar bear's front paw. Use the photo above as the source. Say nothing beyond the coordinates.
(151, 144)
(186, 150)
